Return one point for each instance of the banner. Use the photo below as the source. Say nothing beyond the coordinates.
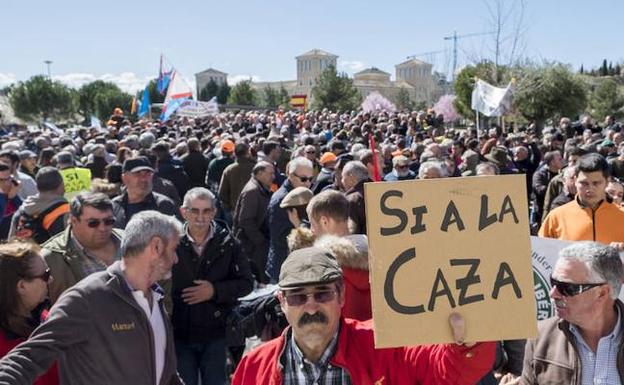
(544, 256)
(298, 101)
(196, 109)
(439, 246)
(490, 100)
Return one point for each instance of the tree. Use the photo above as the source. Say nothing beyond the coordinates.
(335, 92)
(100, 98)
(210, 90)
(403, 100)
(243, 94)
(582, 70)
(270, 97)
(41, 98)
(224, 93)
(377, 102)
(605, 100)
(604, 69)
(550, 91)
(618, 70)
(284, 98)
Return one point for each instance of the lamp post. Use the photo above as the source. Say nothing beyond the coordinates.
(48, 63)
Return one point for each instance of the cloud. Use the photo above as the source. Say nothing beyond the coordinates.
(7, 79)
(350, 65)
(233, 79)
(127, 81)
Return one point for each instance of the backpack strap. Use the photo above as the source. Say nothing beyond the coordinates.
(53, 215)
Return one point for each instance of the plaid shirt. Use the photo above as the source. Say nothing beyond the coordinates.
(300, 371)
(91, 264)
(600, 367)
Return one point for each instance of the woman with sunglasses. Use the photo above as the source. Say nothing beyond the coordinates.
(24, 278)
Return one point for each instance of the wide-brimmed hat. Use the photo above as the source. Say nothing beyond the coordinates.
(499, 156)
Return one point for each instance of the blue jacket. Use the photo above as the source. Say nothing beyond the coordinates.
(279, 228)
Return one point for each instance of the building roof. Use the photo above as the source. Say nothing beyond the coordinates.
(411, 62)
(211, 70)
(317, 52)
(372, 70)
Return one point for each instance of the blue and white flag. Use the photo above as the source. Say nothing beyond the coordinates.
(145, 103)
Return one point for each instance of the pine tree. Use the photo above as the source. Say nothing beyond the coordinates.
(582, 70)
(604, 70)
(210, 89)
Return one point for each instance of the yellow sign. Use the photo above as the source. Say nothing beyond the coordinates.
(76, 180)
(439, 246)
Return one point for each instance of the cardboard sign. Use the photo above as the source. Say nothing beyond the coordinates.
(544, 256)
(448, 245)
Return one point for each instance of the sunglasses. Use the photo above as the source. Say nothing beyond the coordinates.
(45, 277)
(304, 178)
(568, 289)
(403, 167)
(300, 299)
(93, 223)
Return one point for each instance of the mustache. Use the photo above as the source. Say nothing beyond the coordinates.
(307, 318)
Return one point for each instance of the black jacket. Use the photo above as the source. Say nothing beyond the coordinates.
(196, 166)
(153, 201)
(174, 171)
(223, 265)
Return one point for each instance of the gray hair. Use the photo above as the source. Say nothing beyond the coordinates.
(431, 165)
(299, 161)
(603, 263)
(481, 167)
(145, 226)
(198, 193)
(357, 169)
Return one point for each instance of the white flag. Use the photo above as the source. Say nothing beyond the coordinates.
(178, 89)
(490, 100)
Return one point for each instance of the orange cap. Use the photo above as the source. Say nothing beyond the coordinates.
(328, 157)
(227, 146)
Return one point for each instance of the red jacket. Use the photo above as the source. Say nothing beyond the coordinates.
(357, 294)
(7, 344)
(427, 364)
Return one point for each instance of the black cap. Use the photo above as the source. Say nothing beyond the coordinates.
(137, 164)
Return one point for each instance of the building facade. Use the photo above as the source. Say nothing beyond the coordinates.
(204, 77)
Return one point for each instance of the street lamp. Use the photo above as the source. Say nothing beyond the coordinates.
(48, 62)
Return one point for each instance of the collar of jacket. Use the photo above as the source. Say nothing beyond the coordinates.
(608, 199)
(260, 186)
(359, 186)
(220, 232)
(150, 198)
(67, 245)
(122, 287)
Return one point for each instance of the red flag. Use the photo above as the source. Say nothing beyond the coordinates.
(376, 175)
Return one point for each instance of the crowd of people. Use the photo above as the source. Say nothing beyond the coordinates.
(129, 247)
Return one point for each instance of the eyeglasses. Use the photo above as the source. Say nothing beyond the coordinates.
(311, 152)
(304, 179)
(45, 277)
(403, 167)
(93, 223)
(568, 289)
(300, 299)
(195, 211)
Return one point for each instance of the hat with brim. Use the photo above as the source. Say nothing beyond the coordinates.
(309, 266)
(299, 196)
(499, 156)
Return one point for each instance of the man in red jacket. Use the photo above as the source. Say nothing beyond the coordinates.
(323, 348)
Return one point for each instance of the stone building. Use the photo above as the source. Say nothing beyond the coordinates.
(204, 77)
(413, 75)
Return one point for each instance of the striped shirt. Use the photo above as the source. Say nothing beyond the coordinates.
(299, 371)
(600, 368)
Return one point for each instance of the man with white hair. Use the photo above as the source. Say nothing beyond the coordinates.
(583, 343)
(300, 174)
(400, 170)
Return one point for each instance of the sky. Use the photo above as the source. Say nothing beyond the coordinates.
(121, 41)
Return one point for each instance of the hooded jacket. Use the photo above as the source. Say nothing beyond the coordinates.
(355, 352)
(33, 206)
(357, 285)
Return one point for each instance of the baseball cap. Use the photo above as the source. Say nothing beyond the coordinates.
(298, 196)
(227, 146)
(309, 266)
(328, 157)
(27, 154)
(137, 164)
(64, 157)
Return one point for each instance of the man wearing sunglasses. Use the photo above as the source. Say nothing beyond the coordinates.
(583, 343)
(300, 174)
(322, 347)
(400, 170)
(88, 245)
